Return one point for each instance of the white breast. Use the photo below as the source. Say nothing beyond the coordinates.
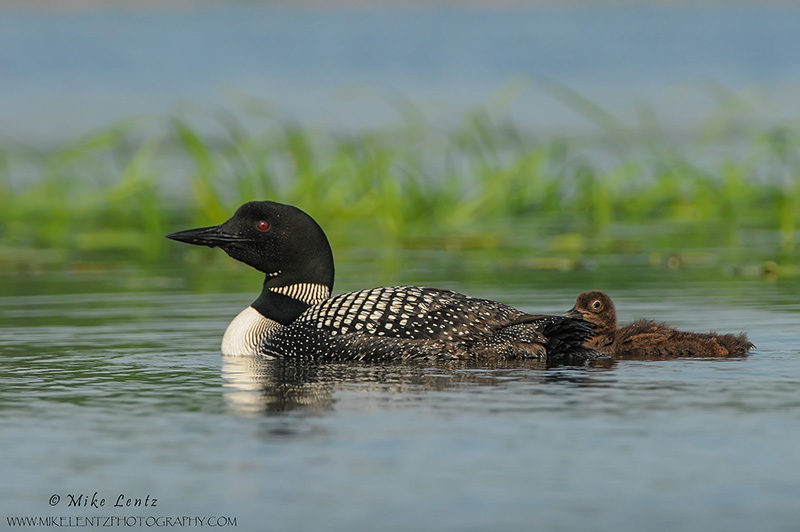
(247, 330)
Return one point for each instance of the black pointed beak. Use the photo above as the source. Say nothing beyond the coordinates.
(206, 236)
(574, 313)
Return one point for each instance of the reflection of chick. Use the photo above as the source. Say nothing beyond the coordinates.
(647, 339)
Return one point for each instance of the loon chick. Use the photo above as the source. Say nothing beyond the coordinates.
(647, 339)
(296, 317)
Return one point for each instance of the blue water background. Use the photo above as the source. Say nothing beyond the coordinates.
(63, 72)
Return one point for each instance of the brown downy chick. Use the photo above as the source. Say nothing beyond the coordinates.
(648, 339)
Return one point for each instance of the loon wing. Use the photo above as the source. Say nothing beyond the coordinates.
(414, 322)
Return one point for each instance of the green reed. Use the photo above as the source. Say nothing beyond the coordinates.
(485, 184)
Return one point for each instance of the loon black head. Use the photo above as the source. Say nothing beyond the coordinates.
(279, 240)
(289, 247)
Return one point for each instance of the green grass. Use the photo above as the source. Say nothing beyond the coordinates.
(485, 185)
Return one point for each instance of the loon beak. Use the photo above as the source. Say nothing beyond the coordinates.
(206, 236)
(574, 313)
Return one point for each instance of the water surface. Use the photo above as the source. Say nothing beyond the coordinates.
(125, 393)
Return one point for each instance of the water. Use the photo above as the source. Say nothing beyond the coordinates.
(125, 394)
(63, 72)
(115, 386)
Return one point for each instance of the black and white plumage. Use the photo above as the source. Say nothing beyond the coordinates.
(295, 317)
(413, 322)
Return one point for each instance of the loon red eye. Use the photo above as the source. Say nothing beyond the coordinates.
(263, 225)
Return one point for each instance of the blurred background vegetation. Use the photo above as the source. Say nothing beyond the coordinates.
(723, 194)
(485, 184)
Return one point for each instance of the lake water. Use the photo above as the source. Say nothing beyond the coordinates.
(112, 384)
(124, 393)
(63, 72)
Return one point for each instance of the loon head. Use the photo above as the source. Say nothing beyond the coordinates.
(290, 248)
(598, 310)
(279, 240)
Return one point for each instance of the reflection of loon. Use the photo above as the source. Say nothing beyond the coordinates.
(295, 317)
(647, 339)
(256, 386)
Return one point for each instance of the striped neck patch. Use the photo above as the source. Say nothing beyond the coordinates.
(309, 293)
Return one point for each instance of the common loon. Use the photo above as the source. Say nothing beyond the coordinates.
(647, 339)
(296, 317)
